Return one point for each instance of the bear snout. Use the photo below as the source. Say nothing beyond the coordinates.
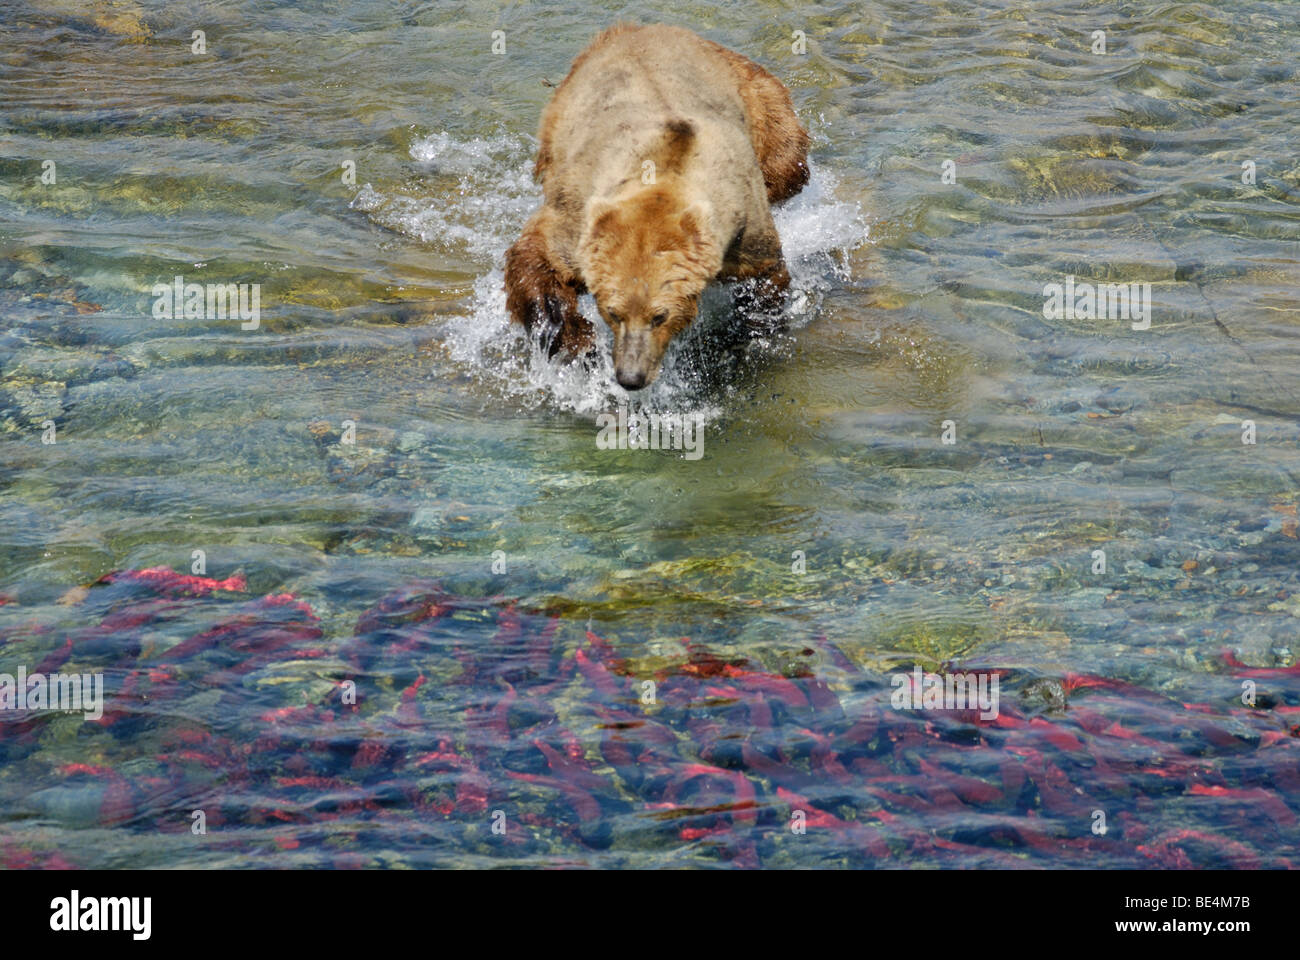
(636, 358)
(630, 380)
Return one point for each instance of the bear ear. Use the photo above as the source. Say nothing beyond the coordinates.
(600, 218)
(694, 224)
(693, 220)
(601, 221)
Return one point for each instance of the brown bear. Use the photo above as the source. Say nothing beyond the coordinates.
(660, 154)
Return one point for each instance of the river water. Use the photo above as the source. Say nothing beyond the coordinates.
(924, 469)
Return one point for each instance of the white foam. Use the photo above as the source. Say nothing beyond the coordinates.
(818, 233)
(492, 196)
(482, 214)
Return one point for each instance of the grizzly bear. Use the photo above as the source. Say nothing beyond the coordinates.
(659, 157)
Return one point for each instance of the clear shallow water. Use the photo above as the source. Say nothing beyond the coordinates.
(917, 302)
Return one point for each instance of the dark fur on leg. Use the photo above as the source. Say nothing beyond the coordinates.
(546, 303)
(761, 301)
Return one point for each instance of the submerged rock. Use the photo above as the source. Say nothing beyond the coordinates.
(30, 405)
(121, 18)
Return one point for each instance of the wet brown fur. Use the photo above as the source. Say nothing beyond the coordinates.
(724, 142)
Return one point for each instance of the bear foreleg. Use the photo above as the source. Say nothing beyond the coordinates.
(543, 296)
(761, 301)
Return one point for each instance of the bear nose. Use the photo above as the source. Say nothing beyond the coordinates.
(630, 379)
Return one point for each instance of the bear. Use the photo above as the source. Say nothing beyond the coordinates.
(660, 156)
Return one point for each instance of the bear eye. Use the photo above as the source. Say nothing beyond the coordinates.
(659, 319)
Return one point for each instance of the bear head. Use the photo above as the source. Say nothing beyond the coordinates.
(646, 259)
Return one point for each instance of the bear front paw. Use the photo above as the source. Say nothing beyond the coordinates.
(553, 319)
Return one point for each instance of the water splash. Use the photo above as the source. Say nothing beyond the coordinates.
(489, 194)
(471, 197)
